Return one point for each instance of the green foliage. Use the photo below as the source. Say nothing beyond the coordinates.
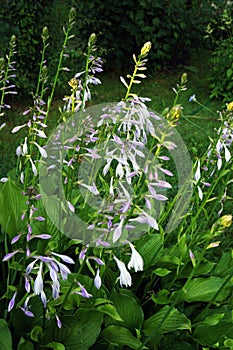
(11, 202)
(5, 336)
(180, 294)
(220, 32)
(25, 20)
(80, 330)
(122, 27)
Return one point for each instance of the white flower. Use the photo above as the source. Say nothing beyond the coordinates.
(125, 277)
(136, 260)
(97, 280)
(197, 175)
(118, 231)
(39, 285)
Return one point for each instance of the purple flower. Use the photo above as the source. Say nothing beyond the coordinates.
(25, 308)
(42, 236)
(82, 254)
(16, 238)
(12, 302)
(65, 258)
(59, 324)
(97, 279)
(118, 231)
(83, 292)
(192, 98)
(27, 284)
(10, 255)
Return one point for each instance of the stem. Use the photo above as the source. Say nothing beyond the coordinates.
(67, 37)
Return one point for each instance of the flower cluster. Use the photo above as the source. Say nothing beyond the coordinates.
(7, 73)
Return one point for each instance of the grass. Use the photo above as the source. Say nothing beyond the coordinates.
(195, 127)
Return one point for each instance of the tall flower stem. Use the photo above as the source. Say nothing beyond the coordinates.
(9, 67)
(59, 66)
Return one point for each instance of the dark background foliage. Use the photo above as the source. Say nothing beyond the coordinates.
(175, 27)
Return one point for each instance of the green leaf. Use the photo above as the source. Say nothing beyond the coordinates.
(161, 271)
(55, 346)
(161, 297)
(205, 289)
(210, 335)
(110, 310)
(79, 331)
(27, 345)
(166, 320)
(119, 336)
(229, 343)
(12, 204)
(213, 319)
(182, 245)
(150, 247)
(229, 73)
(5, 336)
(36, 332)
(128, 308)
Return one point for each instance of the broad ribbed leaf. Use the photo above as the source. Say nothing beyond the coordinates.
(129, 310)
(55, 346)
(210, 335)
(119, 337)
(79, 331)
(205, 289)
(12, 205)
(5, 336)
(109, 310)
(150, 247)
(166, 320)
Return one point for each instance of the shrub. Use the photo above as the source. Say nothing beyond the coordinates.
(123, 26)
(89, 213)
(220, 33)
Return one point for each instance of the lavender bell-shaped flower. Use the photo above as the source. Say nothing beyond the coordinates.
(97, 279)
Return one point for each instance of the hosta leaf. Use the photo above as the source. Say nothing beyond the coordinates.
(128, 308)
(12, 205)
(5, 336)
(150, 247)
(79, 331)
(229, 343)
(55, 346)
(119, 337)
(208, 335)
(213, 319)
(205, 289)
(110, 310)
(161, 271)
(166, 320)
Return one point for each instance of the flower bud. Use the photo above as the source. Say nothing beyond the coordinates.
(226, 221)
(45, 34)
(230, 106)
(146, 48)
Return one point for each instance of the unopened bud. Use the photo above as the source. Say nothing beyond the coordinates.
(230, 106)
(146, 48)
(226, 221)
(45, 34)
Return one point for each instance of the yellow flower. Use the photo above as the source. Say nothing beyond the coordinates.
(226, 221)
(146, 48)
(230, 106)
(174, 114)
(73, 83)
